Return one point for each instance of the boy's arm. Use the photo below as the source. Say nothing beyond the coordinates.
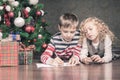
(46, 55)
(77, 50)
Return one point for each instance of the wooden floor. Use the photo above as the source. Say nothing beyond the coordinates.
(110, 71)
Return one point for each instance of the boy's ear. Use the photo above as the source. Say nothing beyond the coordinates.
(59, 27)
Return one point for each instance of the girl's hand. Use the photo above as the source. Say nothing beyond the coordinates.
(74, 60)
(87, 60)
(57, 62)
(97, 58)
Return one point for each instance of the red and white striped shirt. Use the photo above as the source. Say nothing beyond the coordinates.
(62, 49)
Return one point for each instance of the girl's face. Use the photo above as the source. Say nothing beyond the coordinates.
(91, 31)
(67, 33)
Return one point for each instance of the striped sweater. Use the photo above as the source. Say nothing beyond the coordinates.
(62, 49)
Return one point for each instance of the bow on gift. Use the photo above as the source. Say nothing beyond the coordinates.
(28, 48)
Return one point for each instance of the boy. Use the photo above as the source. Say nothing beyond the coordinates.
(63, 45)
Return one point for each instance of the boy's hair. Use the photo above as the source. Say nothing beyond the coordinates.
(101, 26)
(68, 20)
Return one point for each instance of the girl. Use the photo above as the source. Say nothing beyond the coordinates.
(96, 40)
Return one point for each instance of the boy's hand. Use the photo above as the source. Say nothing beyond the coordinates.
(97, 58)
(57, 62)
(87, 60)
(74, 60)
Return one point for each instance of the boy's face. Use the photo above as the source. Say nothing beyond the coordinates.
(67, 33)
(91, 31)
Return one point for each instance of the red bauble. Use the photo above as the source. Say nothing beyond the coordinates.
(34, 40)
(44, 45)
(32, 29)
(29, 28)
(11, 14)
(5, 16)
(7, 22)
(26, 13)
(38, 13)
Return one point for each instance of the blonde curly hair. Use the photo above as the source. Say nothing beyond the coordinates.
(101, 26)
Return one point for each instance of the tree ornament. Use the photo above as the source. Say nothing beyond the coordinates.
(34, 40)
(5, 16)
(44, 45)
(1, 34)
(19, 21)
(41, 27)
(14, 3)
(38, 13)
(39, 36)
(33, 2)
(28, 9)
(32, 29)
(4, 0)
(42, 12)
(1, 7)
(8, 8)
(7, 22)
(26, 14)
(11, 14)
(11, 0)
(28, 40)
(29, 28)
(0, 18)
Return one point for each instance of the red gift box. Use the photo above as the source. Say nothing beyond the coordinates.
(9, 53)
(9, 73)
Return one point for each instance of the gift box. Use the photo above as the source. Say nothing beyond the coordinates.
(14, 37)
(9, 73)
(26, 54)
(25, 57)
(9, 53)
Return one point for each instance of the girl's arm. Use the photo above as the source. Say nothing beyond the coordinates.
(108, 49)
(84, 50)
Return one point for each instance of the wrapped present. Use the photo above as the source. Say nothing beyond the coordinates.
(9, 73)
(9, 53)
(14, 36)
(26, 54)
(25, 57)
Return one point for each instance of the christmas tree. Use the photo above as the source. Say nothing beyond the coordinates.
(26, 19)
